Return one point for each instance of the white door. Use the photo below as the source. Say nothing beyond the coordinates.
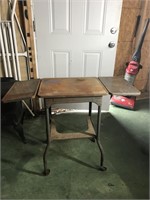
(73, 37)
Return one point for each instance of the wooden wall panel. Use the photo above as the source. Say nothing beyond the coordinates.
(4, 11)
(142, 78)
(130, 11)
(127, 25)
(23, 67)
(1, 68)
(123, 51)
(131, 4)
(127, 43)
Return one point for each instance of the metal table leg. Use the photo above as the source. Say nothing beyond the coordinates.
(90, 108)
(48, 122)
(102, 168)
(48, 135)
(90, 114)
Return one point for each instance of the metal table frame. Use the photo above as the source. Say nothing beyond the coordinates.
(48, 102)
(34, 88)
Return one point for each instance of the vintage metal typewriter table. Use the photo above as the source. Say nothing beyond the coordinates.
(77, 90)
(70, 90)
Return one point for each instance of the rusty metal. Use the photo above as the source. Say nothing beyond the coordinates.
(70, 90)
(67, 90)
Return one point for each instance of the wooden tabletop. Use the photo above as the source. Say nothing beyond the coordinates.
(22, 90)
(119, 86)
(71, 87)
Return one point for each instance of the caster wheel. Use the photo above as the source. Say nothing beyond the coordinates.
(46, 172)
(102, 168)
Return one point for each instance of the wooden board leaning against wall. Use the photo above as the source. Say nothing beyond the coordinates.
(127, 43)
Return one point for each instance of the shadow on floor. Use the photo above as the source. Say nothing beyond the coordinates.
(74, 163)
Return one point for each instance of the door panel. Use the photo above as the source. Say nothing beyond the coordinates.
(94, 12)
(59, 13)
(73, 37)
(60, 63)
(91, 63)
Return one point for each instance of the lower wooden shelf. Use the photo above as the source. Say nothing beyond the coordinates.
(55, 135)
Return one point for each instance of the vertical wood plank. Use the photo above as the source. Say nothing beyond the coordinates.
(29, 31)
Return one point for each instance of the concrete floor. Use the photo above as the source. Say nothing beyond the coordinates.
(74, 163)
